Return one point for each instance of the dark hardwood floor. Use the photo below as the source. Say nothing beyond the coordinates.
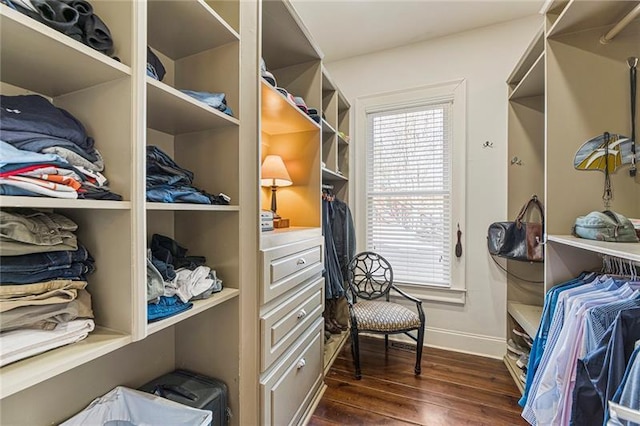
(453, 389)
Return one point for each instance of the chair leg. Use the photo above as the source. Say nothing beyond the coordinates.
(355, 351)
(386, 341)
(419, 346)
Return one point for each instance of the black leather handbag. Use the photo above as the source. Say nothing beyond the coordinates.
(518, 240)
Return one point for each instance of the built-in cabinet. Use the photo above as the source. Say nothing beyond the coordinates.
(263, 333)
(567, 88)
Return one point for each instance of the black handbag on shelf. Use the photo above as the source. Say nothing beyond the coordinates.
(518, 240)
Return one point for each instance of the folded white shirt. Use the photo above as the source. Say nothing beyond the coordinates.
(19, 344)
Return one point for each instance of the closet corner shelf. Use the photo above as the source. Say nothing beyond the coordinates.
(198, 307)
(167, 21)
(630, 251)
(31, 371)
(528, 316)
(31, 50)
(532, 84)
(332, 348)
(327, 128)
(281, 236)
(61, 203)
(191, 207)
(330, 175)
(580, 15)
(515, 373)
(171, 111)
(280, 115)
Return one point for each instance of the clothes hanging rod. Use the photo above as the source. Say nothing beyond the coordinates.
(635, 12)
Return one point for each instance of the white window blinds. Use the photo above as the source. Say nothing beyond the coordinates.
(409, 191)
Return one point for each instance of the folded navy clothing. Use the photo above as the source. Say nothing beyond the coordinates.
(169, 251)
(95, 193)
(35, 262)
(166, 307)
(23, 116)
(76, 271)
(155, 68)
(37, 142)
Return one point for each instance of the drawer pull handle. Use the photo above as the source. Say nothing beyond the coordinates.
(302, 314)
(301, 363)
(301, 261)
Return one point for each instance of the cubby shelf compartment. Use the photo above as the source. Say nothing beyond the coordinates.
(167, 32)
(528, 59)
(532, 84)
(528, 316)
(31, 371)
(280, 115)
(630, 251)
(515, 372)
(37, 58)
(329, 175)
(198, 307)
(61, 203)
(579, 15)
(173, 112)
(326, 127)
(190, 207)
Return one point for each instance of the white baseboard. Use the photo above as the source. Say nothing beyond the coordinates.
(474, 344)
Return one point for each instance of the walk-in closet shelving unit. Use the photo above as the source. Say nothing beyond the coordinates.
(525, 178)
(124, 110)
(579, 72)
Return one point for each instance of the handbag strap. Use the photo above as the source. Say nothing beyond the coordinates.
(533, 201)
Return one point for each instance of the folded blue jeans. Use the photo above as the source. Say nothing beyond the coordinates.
(38, 261)
(166, 307)
(75, 272)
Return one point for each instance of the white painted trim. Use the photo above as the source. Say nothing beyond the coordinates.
(450, 340)
(456, 90)
(432, 293)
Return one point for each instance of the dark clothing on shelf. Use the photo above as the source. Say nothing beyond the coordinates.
(344, 234)
(75, 271)
(169, 251)
(74, 18)
(36, 261)
(214, 100)
(334, 287)
(155, 69)
(26, 117)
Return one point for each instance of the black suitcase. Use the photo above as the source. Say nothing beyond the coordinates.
(194, 390)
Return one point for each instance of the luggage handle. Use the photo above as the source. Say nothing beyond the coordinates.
(161, 390)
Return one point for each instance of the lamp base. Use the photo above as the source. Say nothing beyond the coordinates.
(280, 223)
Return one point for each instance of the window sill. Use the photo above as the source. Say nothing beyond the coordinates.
(433, 293)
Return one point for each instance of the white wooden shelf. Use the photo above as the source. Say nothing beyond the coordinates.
(327, 128)
(38, 58)
(31, 371)
(191, 207)
(61, 203)
(198, 307)
(280, 115)
(171, 111)
(530, 56)
(532, 84)
(515, 372)
(580, 15)
(330, 175)
(167, 32)
(630, 251)
(281, 236)
(528, 316)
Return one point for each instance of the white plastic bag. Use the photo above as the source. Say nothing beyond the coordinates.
(127, 407)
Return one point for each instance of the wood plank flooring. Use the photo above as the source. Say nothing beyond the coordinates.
(453, 389)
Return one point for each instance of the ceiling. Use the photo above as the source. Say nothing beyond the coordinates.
(348, 28)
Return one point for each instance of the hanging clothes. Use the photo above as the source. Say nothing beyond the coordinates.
(344, 234)
(333, 282)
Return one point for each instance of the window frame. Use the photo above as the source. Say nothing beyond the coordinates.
(454, 91)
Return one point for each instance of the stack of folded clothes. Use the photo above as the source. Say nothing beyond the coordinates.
(214, 100)
(74, 18)
(45, 151)
(175, 279)
(43, 268)
(169, 183)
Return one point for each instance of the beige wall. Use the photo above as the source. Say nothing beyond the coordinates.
(484, 57)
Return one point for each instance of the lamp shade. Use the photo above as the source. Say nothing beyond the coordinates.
(274, 172)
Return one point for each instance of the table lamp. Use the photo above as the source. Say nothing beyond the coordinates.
(274, 174)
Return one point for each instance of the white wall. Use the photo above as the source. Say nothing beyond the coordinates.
(485, 58)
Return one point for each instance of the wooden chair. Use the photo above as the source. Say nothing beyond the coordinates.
(370, 279)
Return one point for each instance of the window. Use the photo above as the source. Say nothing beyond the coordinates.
(410, 191)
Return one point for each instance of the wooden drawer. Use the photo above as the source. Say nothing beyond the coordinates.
(281, 326)
(284, 267)
(289, 388)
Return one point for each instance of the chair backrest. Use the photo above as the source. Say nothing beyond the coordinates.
(370, 276)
